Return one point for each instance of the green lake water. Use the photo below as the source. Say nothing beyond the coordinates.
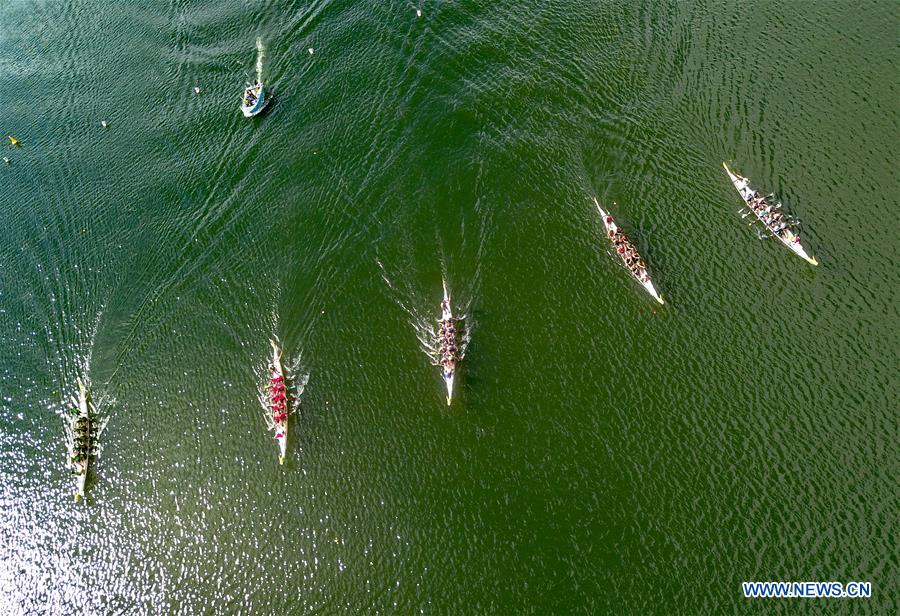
(603, 454)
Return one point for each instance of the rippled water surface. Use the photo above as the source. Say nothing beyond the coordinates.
(603, 454)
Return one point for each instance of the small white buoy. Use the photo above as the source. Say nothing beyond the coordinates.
(196, 89)
(103, 123)
(418, 12)
(310, 51)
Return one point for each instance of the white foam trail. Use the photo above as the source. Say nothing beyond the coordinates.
(260, 55)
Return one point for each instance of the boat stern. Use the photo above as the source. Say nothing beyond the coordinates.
(449, 381)
(800, 251)
(652, 291)
(282, 448)
(79, 486)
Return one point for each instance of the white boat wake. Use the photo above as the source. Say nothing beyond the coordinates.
(260, 56)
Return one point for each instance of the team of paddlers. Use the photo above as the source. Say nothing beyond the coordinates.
(626, 251)
(250, 94)
(771, 216)
(81, 442)
(278, 403)
(447, 350)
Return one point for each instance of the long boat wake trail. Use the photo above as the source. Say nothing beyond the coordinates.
(256, 96)
(260, 56)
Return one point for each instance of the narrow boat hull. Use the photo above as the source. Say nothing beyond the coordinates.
(742, 185)
(80, 469)
(447, 316)
(610, 225)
